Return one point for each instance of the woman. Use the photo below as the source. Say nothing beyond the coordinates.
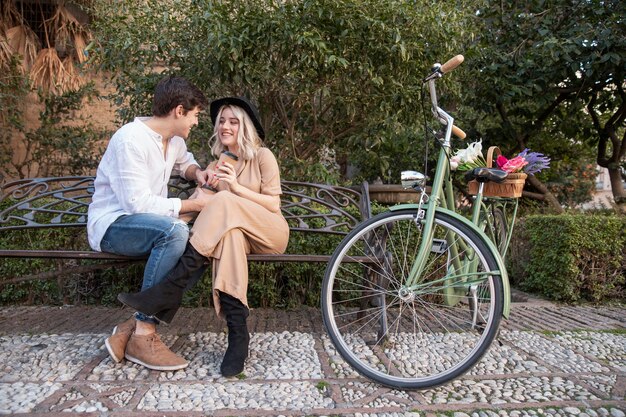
(243, 216)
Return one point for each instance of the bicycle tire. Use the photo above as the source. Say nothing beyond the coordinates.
(497, 229)
(369, 318)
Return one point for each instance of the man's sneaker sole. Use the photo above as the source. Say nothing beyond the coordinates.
(157, 367)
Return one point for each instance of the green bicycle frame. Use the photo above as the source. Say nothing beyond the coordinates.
(442, 200)
(427, 242)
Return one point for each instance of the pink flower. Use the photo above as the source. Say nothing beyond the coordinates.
(501, 161)
(454, 162)
(514, 164)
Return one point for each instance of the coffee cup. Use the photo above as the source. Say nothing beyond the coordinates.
(229, 157)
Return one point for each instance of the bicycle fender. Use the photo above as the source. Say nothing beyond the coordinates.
(504, 274)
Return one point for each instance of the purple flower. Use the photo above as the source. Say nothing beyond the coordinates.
(536, 161)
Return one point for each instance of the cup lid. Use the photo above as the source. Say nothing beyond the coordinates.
(231, 155)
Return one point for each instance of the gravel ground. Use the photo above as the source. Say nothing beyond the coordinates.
(54, 367)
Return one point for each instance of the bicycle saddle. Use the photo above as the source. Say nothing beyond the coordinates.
(484, 174)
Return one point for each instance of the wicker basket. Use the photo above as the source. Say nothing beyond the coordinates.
(512, 186)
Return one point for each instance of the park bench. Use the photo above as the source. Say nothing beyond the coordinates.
(62, 202)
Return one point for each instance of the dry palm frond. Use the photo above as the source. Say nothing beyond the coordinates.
(54, 75)
(80, 45)
(48, 71)
(63, 21)
(67, 32)
(9, 15)
(73, 80)
(5, 52)
(23, 41)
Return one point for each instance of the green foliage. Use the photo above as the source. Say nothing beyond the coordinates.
(383, 155)
(96, 287)
(331, 77)
(58, 142)
(289, 285)
(284, 285)
(62, 144)
(14, 87)
(566, 258)
(571, 257)
(551, 79)
(575, 183)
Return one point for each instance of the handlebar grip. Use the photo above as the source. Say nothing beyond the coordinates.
(451, 64)
(458, 132)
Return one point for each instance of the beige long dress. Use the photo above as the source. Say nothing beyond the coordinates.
(230, 227)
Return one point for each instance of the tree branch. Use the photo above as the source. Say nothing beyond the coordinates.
(543, 116)
(548, 196)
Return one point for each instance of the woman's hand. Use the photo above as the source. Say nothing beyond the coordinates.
(226, 173)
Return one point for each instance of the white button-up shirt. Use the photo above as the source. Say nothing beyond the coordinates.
(132, 177)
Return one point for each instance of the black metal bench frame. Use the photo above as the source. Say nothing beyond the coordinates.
(62, 202)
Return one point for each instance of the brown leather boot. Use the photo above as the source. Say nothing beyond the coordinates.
(151, 352)
(116, 343)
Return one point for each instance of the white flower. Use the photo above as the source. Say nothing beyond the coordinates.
(469, 155)
(474, 150)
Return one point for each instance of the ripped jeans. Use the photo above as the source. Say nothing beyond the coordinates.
(163, 238)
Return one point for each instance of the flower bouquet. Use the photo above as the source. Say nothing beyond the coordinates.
(518, 168)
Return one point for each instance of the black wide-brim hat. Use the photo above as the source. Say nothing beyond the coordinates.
(242, 102)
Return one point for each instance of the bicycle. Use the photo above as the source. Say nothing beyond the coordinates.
(413, 297)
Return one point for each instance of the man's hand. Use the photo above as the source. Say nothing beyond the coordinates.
(202, 198)
(209, 178)
(195, 202)
(201, 177)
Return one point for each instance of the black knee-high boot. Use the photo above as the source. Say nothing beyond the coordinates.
(163, 299)
(238, 337)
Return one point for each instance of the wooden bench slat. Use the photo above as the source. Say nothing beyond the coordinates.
(60, 254)
(64, 254)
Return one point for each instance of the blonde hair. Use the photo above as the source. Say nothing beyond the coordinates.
(247, 137)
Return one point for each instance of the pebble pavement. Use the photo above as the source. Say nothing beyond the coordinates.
(550, 361)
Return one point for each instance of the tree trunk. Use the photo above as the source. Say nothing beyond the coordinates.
(549, 197)
(619, 194)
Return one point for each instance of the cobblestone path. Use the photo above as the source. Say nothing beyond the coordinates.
(550, 361)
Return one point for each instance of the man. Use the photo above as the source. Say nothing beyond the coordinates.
(130, 213)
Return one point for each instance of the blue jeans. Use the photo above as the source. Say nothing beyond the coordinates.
(163, 238)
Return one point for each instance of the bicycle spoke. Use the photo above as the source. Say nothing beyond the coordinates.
(410, 334)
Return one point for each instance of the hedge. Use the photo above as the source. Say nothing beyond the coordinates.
(570, 258)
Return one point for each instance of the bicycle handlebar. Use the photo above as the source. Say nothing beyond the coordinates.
(451, 64)
(438, 71)
(458, 132)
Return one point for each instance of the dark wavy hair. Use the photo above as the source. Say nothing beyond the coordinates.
(172, 91)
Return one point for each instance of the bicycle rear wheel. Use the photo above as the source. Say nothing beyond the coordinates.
(496, 226)
(419, 336)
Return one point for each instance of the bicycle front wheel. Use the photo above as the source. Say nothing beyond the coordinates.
(412, 335)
